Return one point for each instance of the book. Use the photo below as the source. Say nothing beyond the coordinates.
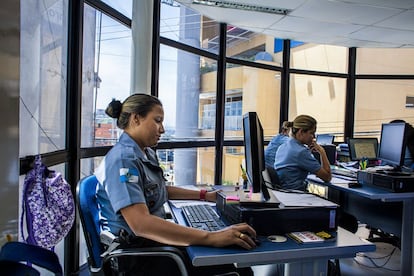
(311, 237)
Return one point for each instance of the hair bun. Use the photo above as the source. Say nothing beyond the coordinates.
(114, 109)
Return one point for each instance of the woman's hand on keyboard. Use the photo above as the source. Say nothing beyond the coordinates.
(240, 234)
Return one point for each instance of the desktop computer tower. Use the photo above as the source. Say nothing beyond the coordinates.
(267, 220)
(391, 181)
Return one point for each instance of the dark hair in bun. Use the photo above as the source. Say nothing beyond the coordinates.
(139, 104)
(114, 109)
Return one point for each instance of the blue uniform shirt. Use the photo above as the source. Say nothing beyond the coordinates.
(270, 151)
(128, 176)
(293, 163)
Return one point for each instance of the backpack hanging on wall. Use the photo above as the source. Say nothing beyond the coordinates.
(48, 208)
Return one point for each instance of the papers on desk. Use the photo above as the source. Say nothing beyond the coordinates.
(334, 180)
(181, 203)
(349, 165)
(301, 200)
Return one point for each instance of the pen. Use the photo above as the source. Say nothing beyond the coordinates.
(363, 163)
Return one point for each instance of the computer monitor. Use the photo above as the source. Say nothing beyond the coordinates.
(392, 144)
(254, 153)
(360, 148)
(325, 139)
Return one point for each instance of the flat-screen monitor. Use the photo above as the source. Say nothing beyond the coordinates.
(392, 144)
(360, 148)
(254, 153)
(325, 139)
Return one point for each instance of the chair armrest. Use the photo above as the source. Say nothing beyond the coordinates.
(160, 251)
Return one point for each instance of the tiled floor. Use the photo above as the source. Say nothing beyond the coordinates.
(384, 261)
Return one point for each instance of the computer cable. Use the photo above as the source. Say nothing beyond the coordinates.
(373, 260)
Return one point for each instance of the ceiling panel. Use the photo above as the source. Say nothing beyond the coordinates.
(404, 21)
(331, 11)
(350, 23)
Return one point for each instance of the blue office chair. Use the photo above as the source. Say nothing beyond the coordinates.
(18, 258)
(89, 216)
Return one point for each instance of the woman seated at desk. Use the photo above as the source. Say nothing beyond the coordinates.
(132, 193)
(294, 159)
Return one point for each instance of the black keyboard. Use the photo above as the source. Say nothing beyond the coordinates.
(203, 217)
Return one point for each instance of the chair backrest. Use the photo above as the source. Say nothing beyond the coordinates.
(89, 216)
(12, 253)
(272, 177)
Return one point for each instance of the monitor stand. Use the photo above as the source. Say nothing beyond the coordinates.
(248, 199)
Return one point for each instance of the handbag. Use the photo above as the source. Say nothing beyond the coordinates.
(48, 208)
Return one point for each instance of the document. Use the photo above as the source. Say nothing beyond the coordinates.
(293, 199)
(181, 203)
(334, 180)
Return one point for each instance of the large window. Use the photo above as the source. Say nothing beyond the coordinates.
(385, 61)
(124, 6)
(320, 97)
(43, 80)
(188, 26)
(381, 101)
(106, 75)
(326, 58)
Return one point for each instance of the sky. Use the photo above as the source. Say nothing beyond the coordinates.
(114, 61)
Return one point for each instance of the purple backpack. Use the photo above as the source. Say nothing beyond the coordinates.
(48, 206)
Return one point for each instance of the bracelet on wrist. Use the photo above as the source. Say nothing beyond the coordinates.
(203, 193)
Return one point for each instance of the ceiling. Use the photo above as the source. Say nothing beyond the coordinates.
(349, 23)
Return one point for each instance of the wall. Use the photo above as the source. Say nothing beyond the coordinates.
(9, 112)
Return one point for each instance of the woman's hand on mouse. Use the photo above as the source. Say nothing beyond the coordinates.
(241, 234)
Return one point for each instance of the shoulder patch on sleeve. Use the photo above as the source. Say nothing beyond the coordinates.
(128, 175)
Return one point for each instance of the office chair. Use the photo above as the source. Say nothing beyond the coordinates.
(270, 176)
(17, 258)
(89, 215)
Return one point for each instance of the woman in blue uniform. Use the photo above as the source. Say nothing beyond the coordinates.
(132, 188)
(274, 144)
(294, 159)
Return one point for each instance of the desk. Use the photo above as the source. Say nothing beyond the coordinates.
(300, 259)
(407, 229)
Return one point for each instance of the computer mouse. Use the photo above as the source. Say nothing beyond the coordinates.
(277, 238)
(354, 185)
(256, 240)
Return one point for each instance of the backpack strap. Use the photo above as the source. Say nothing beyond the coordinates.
(34, 176)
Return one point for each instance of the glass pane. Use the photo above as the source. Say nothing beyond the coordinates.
(187, 89)
(385, 61)
(322, 98)
(124, 6)
(251, 89)
(187, 26)
(187, 166)
(381, 101)
(251, 46)
(189, 112)
(233, 158)
(205, 166)
(106, 75)
(43, 77)
(317, 57)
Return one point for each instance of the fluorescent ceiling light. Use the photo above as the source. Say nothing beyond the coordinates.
(241, 6)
